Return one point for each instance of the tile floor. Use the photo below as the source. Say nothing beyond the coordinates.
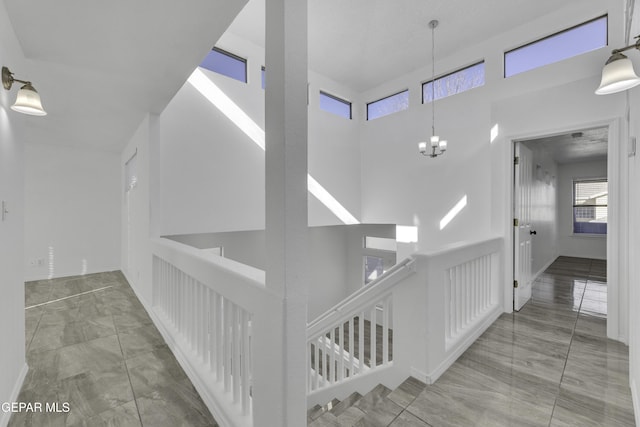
(90, 343)
(548, 365)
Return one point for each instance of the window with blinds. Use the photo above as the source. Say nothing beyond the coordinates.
(590, 203)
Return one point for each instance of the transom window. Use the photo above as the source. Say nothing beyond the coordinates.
(590, 199)
(453, 83)
(566, 44)
(226, 63)
(335, 105)
(389, 105)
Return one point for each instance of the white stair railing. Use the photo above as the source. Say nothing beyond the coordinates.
(354, 336)
(206, 306)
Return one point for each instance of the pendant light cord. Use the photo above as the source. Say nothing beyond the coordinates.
(433, 77)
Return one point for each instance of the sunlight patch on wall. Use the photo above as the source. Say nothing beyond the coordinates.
(495, 131)
(453, 212)
(222, 102)
(52, 270)
(406, 234)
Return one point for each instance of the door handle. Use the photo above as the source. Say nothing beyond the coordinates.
(533, 232)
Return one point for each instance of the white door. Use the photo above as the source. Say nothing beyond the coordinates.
(522, 230)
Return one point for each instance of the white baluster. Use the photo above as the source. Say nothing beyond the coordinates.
(246, 363)
(235, 360)
(361, 341)
(219, 338)
(341, 361)
(316, 364)
(372, 346)
(227, 345)
(352, 350)
(385, 331)
(332, 356)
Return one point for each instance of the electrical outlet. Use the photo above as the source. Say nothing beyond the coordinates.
(40, 262)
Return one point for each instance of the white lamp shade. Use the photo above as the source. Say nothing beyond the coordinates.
(434, 140)
(28, 102)
(443, 145)
(617, 75)
(422, 146)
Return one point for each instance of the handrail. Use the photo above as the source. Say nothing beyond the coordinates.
(243, 284)
(359, 299)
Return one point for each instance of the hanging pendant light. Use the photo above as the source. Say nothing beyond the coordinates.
(438, 146)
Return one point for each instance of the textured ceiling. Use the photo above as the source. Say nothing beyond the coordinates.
(576, 146)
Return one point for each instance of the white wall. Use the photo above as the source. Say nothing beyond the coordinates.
(12, 138)
(72, 204)
(213, 174)
(400, 186)
(544, 209)
(335, 257)
(137, 211)
(576, 245)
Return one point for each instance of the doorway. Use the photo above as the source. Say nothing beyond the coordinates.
(560, 203)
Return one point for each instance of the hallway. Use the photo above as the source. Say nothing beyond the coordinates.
(90, 343)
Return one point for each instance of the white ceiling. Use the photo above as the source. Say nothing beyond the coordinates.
(576, 146)
(364, 43)
(101, 65)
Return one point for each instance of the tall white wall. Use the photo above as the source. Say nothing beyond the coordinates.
(213, 174)
(544, 209)
(72, 205)
(399, 185)
(576, 245)
(12, 139)
(137, 210)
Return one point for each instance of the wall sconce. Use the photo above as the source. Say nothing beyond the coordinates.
(618, 73)
(28, 99)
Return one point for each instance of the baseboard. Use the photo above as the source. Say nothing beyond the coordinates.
(547, 265)
(58, 275)
(6, 416)
(635, 397)
(463, 345)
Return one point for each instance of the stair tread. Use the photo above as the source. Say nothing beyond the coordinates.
(407, 392)
(346, 403)
(350, 417)
(377, 408)
(325, 420)
(314, 413)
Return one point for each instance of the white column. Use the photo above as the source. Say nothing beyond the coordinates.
(280, 393)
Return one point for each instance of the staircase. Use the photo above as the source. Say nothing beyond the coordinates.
(380, 407)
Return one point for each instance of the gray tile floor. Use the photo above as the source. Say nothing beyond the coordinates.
(548, 365)
(91, 344)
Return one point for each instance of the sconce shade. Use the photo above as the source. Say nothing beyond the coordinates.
(28, 102)
(617, 75)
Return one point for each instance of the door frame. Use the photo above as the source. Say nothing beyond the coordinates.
(617, 241)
